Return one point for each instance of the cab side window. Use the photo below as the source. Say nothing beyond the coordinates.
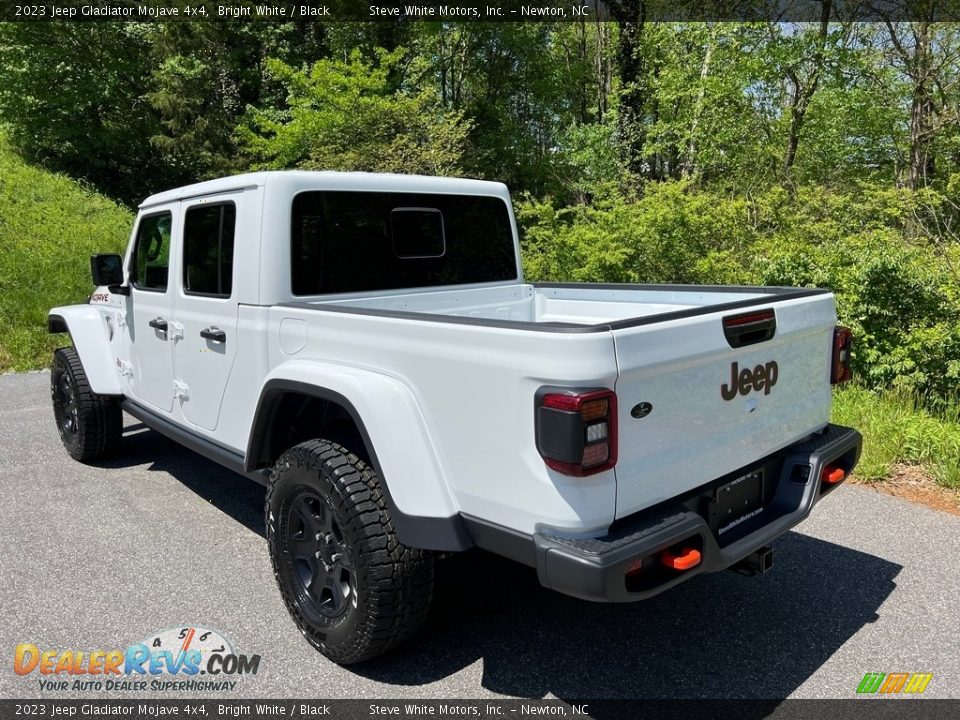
(208, 250)
(151, 256)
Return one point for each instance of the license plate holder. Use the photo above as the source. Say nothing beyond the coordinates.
(739, 500)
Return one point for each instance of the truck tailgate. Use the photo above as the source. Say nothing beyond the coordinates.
(688, 413)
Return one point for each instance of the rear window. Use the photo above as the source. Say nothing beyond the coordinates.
(366, 241)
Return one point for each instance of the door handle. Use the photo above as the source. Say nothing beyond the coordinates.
(158, 324)
(213, 333)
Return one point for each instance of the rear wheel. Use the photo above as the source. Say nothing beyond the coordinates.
(90, 425)
(353, 589)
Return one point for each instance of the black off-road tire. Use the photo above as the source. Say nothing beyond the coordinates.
(90, 425)
(365, 592)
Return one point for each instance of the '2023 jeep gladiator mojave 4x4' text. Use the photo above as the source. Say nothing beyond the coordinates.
(366, 346)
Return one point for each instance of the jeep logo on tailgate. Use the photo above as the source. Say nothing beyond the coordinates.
(742, 382)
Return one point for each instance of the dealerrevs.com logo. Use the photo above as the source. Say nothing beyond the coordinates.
(888, 684)
(188, 658)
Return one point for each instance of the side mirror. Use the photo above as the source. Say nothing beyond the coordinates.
(106, 270)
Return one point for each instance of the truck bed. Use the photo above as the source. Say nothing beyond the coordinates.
(563, 307)
(664, 346)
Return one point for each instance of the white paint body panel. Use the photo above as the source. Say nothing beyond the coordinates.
(98, 352)
(693, 435)
(448, 405)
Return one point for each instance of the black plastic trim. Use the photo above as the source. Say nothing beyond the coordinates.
(230, 459)
(429, 533)
(559, 327)
(744, 289)
(56, 324)
(749, 333)
(594, 568)
(98, 281)
(508, 543)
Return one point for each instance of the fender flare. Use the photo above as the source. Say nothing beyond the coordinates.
(88, 331)
(421, 507)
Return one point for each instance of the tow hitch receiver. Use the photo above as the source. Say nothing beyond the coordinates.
(756, 563)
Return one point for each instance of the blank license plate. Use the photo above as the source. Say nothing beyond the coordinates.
(739, 500)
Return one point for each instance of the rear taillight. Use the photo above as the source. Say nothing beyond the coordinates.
(577, 431)
(840, 370)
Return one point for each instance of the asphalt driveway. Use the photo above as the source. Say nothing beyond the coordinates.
(102, 557)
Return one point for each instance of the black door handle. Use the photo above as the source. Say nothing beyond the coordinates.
(215, 334)
(158, 324)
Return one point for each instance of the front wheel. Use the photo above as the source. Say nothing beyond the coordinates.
(353, 589)
(90, 425)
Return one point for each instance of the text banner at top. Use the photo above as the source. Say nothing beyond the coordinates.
(624, 11)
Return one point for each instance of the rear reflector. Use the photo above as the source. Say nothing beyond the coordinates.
(577, 431)
(840, 370)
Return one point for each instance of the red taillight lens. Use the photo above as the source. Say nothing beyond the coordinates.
(577, 431)
(840, 370)
(748, 318)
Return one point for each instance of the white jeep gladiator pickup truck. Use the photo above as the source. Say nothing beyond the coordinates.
(366, 346)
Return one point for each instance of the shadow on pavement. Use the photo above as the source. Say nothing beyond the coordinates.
(239, 497)
(717, 636)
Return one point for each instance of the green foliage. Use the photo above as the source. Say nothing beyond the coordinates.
(70, 96)
(897, 430)
(668, 235)
(590, 166)
(344, 115)
(49, 227)
(710, 116)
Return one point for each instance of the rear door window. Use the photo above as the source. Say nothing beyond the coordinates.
(208, 250)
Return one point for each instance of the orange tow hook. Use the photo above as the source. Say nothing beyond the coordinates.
(686, 559)
(832, 475)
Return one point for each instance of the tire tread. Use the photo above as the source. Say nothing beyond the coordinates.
(395, 581)
(99, 417)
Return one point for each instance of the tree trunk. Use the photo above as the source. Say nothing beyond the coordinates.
(920, 161)
(803, 91)
(918, 65)
(630, 16)
(690, 163)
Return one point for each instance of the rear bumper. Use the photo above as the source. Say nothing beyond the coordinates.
(608, 568)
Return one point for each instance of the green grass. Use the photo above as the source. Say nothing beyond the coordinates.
(49, 227)
(896, 429)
